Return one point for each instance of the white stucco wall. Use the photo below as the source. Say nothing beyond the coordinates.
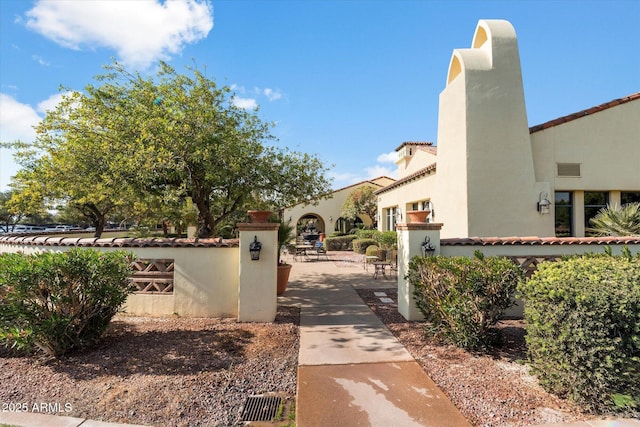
(205, 280)
(331, 207)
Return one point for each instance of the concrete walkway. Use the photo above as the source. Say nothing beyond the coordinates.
(351, 370)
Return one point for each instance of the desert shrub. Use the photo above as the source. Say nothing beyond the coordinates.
(367, 233)
(60, 301)
(463, 298)
(340, 243)
(372, 250)
(387, 239)
(582, 317)
(361, 245)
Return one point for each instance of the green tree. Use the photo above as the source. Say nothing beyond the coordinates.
(617, 221)
(361, 200)
(170, 136)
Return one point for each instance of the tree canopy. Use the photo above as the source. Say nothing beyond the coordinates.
(133, 142)
(361, 200)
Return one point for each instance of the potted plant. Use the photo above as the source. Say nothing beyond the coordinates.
(286, 233)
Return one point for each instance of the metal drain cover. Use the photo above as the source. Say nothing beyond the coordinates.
(260, 408)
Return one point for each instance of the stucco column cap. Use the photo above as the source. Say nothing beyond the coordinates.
(419, 226)
(257, 226)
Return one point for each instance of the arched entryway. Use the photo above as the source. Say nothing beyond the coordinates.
(310, 226)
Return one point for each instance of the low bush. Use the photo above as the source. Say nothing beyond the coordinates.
(372, 250)
(463, 298)
(340, 243)
(367, 233)
(60, 301)
(582, 317)
(360, 245)
(387, 239)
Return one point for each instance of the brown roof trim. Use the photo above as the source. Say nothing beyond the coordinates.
(418, 174)
(419, 143)
(429, 149)
(587, 112)
(369, 181)
(533, 240)
(119, 242)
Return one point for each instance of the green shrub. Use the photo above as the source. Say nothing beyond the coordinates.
(372, 250)
(387, 239)
(340, 243)
(60, 301)
(361, 245)
(583, 330)
(367, 233)
(463, 298)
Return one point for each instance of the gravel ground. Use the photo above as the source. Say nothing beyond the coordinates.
(196, 372)
(495, 389)
(164, 372)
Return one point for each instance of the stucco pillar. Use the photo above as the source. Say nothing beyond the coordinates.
(257, 300)
(410, 238)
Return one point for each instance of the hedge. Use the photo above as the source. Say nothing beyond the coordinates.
(340, 243)
(582, 317)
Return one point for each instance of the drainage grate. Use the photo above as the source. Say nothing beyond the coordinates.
(260, 408)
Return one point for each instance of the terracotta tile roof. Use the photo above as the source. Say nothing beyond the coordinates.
(369, 181)
(118, 242)
(416, 175)
(429, 149)
(418, 143)
(533, 240)
(587, 112)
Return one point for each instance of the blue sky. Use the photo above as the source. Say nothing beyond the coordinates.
(347, 80)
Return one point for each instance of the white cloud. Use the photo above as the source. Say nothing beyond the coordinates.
(140, 31)
(50, 103)
(272, 95)
(244, 103)
(40, 60)
(16, 120)
(388, 157)
(16, 123)
(377, 171)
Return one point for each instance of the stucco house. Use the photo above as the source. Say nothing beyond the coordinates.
(323, 216)
(490, 174)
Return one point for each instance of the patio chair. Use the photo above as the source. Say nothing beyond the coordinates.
(320, 250)
(392, 258)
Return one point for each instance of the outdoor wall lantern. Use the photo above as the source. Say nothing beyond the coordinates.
(254, 249)
(427, 247)
(398, 215)
(330, 219)
(544, 205)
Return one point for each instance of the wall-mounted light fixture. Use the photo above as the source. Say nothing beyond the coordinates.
(544, 205)
(254, 249)
(427, 247)
(330, 219)
(398, 215)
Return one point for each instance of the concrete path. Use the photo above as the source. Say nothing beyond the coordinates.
(352, 371)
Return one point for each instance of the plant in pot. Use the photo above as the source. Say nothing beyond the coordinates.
(286, 233)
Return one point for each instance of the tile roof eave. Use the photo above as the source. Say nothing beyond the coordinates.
(407, 179)
(535, 241)
(583, 113)
(43, 240)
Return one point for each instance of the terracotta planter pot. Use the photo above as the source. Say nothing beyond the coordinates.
(283, 277)
(259, 216)
(417, 216)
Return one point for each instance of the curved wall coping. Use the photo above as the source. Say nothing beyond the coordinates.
(533, 240)
(118, 242)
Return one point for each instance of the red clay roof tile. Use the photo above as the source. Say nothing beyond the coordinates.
(589, 111)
